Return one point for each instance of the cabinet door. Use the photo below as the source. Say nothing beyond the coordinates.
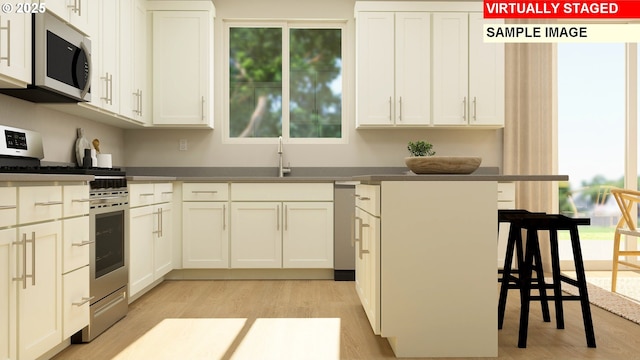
(39, 310)
(8, 288)
(413, 68)
(307, 240)
(108, 52)
(163, 242)
(256, 239)
(375, 79)
(76, 200)
(450, 69)
(486, 76)
(205, 235)
(75, 249)
(141, 241)
(133, 57)
(76, 301)
(39, 203)
(15, 50)
(8, 206)
(369, 255)
(182, 68)
(75, 12)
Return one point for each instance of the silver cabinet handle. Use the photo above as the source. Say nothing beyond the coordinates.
(464, 109)
(23, 277)
(390, 110)
(204, 191)
(362, 251)
(137, 109)
(475, 109)
(83, 301)
(76, 7)
(167, 192)
(7, 207)
(83, 243)
(203, 114)
(354, 238)
(48, 203)
(364, 198)
(147, 194)
(140, 103)
(224, 216)
(400, 116)
(286, 217)
(81, 200)
(158, 215)
(108, 87)
(87, 53)
(8, 57)
(161, 211)
(278, 218)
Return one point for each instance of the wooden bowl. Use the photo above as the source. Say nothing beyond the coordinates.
(443, 164)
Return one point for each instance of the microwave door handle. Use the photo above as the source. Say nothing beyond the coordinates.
(87, 86)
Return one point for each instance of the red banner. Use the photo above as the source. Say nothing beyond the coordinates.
(504, 9)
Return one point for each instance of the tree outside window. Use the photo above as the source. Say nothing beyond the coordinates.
(257, 92)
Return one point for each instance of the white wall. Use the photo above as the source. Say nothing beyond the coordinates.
(364, 147)
(58, 130)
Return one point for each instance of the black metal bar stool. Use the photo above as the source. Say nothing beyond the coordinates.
(510, 278)
(534, 223)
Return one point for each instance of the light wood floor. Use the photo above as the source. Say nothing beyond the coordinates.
(616, 337)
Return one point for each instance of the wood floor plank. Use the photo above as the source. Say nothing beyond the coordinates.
(616, 337)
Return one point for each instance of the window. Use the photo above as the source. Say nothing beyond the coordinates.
(284, 80)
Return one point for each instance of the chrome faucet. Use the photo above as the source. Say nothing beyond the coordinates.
(281, 170)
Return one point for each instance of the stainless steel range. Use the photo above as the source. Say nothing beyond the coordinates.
(21, 152)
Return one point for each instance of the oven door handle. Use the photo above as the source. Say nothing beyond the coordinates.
(107, 198)
(84, 243)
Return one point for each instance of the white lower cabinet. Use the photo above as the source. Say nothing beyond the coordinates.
(256, 239)
(367, 243)
(8, 288)
(75, 301)
(279, 225)
(205, 235)
(150, 234)
(39, 314)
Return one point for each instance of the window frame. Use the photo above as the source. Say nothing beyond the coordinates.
(286, 25)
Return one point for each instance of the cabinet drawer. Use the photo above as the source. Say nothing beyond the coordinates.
(75, 302)
(368, 198)
(39, 203)
(506, 191)
(141, 194)
(8, 206)
(75, 251)
(76, 200)
(282, 192)
(163, 192)
(205, 192)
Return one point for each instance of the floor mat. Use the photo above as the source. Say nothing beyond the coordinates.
(618, 303)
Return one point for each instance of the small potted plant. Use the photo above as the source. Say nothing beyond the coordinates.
(420, 148)
(423, 161)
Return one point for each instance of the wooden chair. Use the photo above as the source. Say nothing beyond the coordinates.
(626, 200)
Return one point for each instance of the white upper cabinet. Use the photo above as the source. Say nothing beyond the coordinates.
(134, 94)
(393, 55)
(15, 50)
(425, 64)
(468, 73)
(182, 68)
(106, 76)
(74, 12)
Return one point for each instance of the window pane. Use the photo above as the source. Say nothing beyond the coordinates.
(315, 83)
(255, 82)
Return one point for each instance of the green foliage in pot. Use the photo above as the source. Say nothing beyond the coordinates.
(420, 148)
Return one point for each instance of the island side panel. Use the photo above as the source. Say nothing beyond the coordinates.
(438, 268)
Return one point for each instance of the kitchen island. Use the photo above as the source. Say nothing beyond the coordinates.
(427, 250)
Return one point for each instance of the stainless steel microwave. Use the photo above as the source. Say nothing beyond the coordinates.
(61, 66)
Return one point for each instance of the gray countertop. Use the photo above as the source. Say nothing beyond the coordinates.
(10, 177)
(459, 177)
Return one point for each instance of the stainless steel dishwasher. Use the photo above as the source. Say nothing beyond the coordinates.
(344, 258)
